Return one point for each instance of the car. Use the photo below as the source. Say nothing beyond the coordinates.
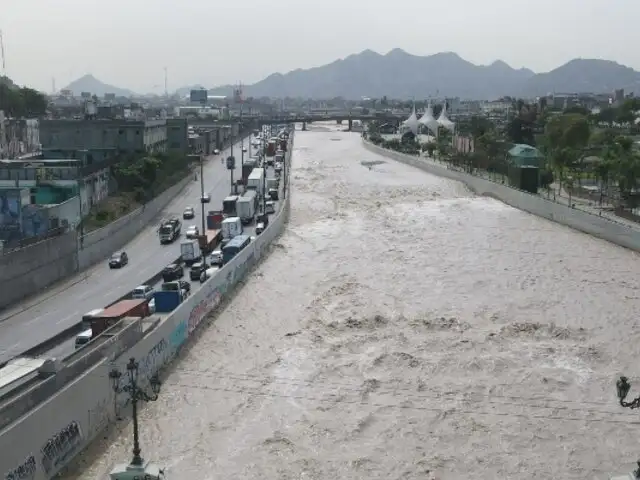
(189, 213)
(270, 207)
(244, 149)
(118, 260)
(192, 232)
(172, 272)
(196, 270)
(259, 228)
(142, 292)
(216, 152)
(184, 285)
(206, 198)
(278, 167)
(216, 257)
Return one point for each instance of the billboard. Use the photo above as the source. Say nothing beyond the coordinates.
(198, 96)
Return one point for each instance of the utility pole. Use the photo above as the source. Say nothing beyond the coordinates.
(231, 161)
(202, 232)
(241, 140)
(137, 468)
(166, 90)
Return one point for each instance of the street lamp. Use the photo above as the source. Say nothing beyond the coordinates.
(137, 468)
(622, 389)
(202, 199)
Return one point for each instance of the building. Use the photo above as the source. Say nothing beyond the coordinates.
(177, 138)
(50, 188)
(66, 136)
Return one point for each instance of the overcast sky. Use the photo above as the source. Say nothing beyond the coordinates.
(127, 43)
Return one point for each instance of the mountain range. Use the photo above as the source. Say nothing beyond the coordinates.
(399, 74)
(89, 83)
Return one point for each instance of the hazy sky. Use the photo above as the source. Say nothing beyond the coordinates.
(127, 43)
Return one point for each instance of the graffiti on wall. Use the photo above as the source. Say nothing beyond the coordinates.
(153, 360)
(62, 446)
(178, 336)
(98, 417)
(25, 471)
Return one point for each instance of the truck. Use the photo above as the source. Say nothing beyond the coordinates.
(256, 180)
(283, 144)
(231, 227)
(116, 312)
(246, 208)
(169, 230)
(168, 300)
(229, 206)
(273, 183)
(271, 148)
(247, 167)
(190, 251)
(210, 240)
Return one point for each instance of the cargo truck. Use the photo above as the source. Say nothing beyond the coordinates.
(210, 240)
(229, 206)
(256, 181)
(231, 227)
(167, 300)
(169, 230)
(271, 148)
(246, 208)
(116, 312)
(190, 252)
(247, 167)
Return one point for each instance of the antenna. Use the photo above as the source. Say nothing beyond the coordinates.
(166, 91)
(4, 66)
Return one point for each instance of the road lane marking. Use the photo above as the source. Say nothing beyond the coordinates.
(67, 318)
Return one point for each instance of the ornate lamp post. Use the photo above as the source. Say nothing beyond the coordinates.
(622, 389)
(137, 469)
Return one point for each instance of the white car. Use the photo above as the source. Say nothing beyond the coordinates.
(206, 198)
(216, 152)
(244, 149)
(142, 292)
(270, 207)
(215, 258)
(192, 232)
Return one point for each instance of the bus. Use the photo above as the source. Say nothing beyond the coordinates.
(235, 246)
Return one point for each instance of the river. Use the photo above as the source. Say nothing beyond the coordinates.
(403, 328)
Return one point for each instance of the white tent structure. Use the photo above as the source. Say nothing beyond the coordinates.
(429, 121)
(444, 121)
(411, 124)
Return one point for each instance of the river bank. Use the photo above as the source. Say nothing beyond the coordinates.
(600, 226)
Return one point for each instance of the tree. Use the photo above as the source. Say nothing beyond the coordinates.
(21, 101)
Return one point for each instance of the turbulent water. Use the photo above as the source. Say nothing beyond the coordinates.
(403, 328)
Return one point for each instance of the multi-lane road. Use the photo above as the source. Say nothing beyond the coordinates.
(39, 319)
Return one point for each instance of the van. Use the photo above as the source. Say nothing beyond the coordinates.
(83, 338)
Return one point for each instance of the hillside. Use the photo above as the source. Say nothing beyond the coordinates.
(89, 83)
(399, 74)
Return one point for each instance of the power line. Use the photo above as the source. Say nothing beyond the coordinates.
(442, 410)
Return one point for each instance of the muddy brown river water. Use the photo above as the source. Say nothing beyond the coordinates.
(403, 328)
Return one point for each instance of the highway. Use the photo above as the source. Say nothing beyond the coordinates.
(39, 319)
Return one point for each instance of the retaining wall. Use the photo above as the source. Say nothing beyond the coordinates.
(32, 269)
(99, 244)
(48, 437)
(535, 204)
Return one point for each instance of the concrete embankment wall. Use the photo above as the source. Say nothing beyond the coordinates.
(47, 438)
(33, 268)
(95, 246)
(535, 204)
